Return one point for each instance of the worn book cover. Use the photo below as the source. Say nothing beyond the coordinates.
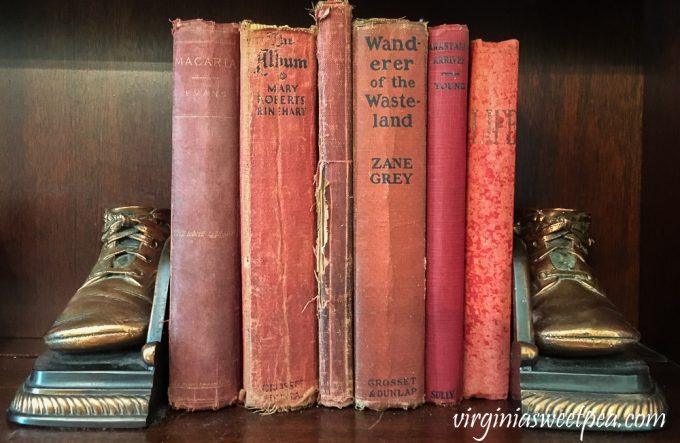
(446, 177)
(278, 163)
(334, 252)
(205, 293)
(390, 107)
(492, 129)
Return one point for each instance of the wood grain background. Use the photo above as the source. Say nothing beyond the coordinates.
(85, 124)
(660, 242)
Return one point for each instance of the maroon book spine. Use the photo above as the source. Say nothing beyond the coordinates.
(446, 176)
(278, 162)
(334, 205)
(492, 133)
(205, 318)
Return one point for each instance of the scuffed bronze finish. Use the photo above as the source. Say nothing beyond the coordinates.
(78, 405)
(528, 353)
(617, 410)
(149, 353)
(571, 314)
(111, 309)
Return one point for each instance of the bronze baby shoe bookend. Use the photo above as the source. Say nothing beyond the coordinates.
(106, 363)
(575, 358)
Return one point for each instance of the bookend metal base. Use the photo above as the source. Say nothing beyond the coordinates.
(123, 389)
(614, 393)
(108, 390)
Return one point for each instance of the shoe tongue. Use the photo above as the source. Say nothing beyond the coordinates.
(125, 260)
(130, 242)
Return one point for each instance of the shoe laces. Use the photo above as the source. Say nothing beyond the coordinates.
(568, 234)
(123, 237)
(559, 236)
(567, 241)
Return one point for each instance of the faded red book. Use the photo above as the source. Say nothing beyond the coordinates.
(390, 62)
(446, 177)
(334, 252)
(492, 132)
(205, 293)
(278, 162)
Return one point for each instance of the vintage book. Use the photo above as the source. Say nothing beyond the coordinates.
(492, 128)
(334, 252)
(278, 162)
(205, 301)
(390, 62)
(446, 176)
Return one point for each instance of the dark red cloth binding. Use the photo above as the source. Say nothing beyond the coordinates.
(446, 177)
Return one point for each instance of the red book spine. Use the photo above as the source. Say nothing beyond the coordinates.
(390, 62)
(205, 299)
(491, 179)
(278, 162)
(334, 251)
(446, 176)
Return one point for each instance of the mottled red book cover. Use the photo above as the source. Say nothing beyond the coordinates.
(205, 294)
(446, 177)
(492, 128)
(335, 270)
(390, 112)
(278, 162)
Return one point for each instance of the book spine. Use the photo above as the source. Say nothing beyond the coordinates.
(390, 63)
(278, 162)
(334, 251)
(446, 177)
(205, 260)
(491, 179)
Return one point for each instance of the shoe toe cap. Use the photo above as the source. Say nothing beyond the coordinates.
(83, 336)
(99, 320)
(581, 323)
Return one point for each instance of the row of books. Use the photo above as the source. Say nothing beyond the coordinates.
(324, 247)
